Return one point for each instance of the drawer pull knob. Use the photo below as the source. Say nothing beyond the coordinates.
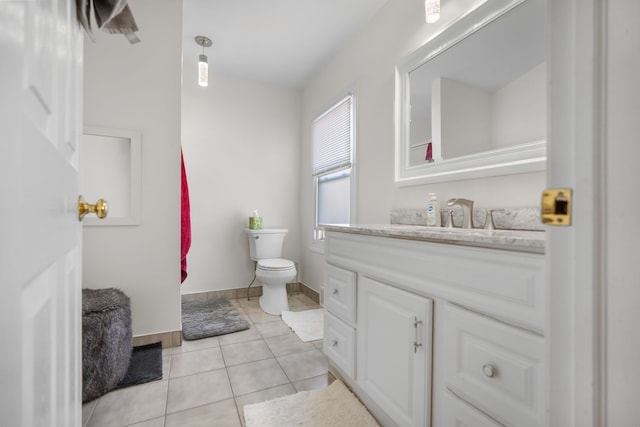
(489, 370)
(335, 291)
(334, 343)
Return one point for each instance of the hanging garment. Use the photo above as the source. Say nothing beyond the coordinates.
(185, 213)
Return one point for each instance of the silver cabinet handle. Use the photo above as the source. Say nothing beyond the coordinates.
(416, 344)
(489, 370)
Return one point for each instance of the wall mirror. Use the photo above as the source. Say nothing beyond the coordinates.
(471, 102)
(110, 170)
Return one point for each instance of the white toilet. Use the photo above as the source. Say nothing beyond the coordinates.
(265, 247)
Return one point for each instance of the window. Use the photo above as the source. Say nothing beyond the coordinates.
(333, 165)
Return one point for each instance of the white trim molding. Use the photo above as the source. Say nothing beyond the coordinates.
(132, 217)
(576, 254)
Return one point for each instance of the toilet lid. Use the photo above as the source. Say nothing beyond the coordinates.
(275, 264)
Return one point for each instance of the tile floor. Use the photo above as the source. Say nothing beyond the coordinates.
(207, 382)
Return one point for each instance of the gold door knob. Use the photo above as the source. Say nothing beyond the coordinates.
(101, 208)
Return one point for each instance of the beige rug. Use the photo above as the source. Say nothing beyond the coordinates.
(307, 324)
(328, 407)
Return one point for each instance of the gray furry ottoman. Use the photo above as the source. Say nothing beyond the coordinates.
(106, 340)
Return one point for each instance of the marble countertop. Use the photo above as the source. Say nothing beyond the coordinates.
(513, 240)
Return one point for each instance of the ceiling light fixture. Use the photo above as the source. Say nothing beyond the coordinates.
(432, 11)
(203, 66)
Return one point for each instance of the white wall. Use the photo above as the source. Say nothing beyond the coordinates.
(138, 87)
(241, 144)
(520, 109)
(465, 118)
(367, 64)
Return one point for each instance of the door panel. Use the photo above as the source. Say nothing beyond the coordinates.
(386, 336)
(41, 236)
(38, 333)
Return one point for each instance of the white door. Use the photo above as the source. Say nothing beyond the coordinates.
(594, 268)
(40, 236)
(394, 330)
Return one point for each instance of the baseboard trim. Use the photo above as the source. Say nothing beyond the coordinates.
(311, 293)
(254, 291)
(168, 339)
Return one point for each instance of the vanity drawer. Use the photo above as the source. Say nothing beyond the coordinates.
(495, 367)
(458, 413)
(339, 343)
(340, 296)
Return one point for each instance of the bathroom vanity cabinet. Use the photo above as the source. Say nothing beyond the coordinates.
(430, 331)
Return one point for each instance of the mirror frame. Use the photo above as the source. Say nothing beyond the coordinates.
(134, 137)
(521, 158)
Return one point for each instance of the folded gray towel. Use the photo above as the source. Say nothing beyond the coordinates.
(112, 16)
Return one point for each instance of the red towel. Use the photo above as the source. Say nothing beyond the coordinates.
(185, 213)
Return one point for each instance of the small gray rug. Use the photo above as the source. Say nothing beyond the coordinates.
(210, 318)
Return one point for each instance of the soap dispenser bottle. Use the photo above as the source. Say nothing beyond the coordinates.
(433, 211)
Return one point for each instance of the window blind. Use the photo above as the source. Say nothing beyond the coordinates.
(332, 134)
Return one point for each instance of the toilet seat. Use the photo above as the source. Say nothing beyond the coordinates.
(276, 264)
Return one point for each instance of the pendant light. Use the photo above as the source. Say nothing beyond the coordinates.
(432, 11)
(203, 65)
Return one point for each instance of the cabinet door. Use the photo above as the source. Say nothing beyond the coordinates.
(394, 351)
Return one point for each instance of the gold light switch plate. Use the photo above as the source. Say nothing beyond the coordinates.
(556, 206)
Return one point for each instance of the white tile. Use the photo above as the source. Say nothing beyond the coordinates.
(197, 390)
(300, 366)
(195, 345)
(200, 392)
(244, 352)
(286, 344)
(273, 329)
(219, 414)
(194, 362)
(130, 405)
(262, 317)
(256, 376)
(242, 336)
(156, 422)
(313, 383)
(301, 301)
(87, 410)
(262, 396)
(166, 366)
(249, 306)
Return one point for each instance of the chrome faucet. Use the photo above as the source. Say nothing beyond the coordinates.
(467, 211)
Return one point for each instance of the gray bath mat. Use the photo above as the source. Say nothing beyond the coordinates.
(210, 318)
(145, 366)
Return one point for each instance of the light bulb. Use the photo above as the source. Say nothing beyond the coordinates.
(432, 11)
(203, 71)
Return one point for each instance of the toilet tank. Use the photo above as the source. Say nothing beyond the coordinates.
(266, 243)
